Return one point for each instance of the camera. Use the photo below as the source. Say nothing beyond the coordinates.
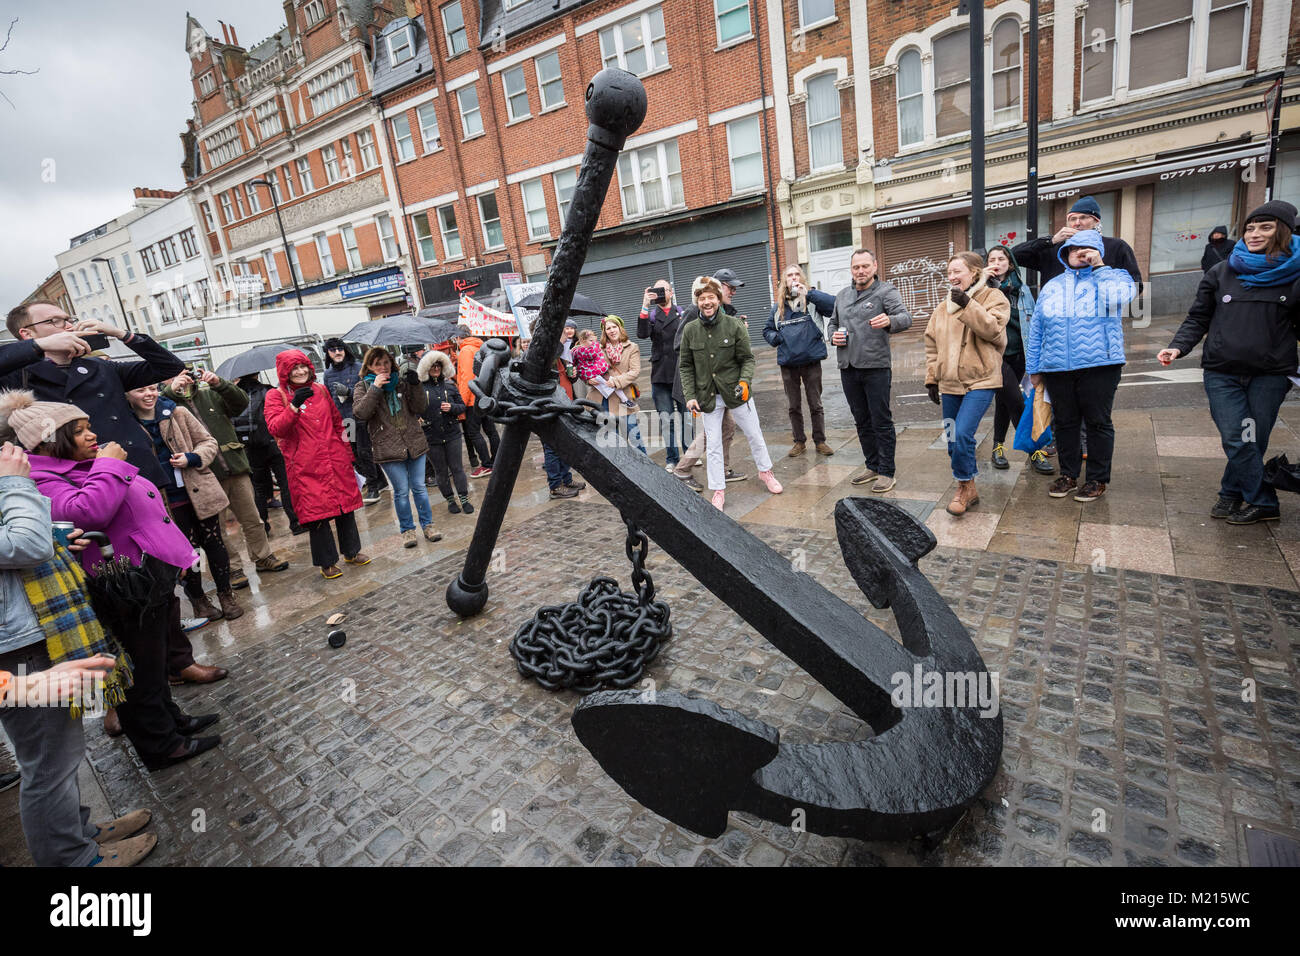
(661, 296)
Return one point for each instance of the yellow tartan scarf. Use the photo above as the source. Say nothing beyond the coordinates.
(57, 592)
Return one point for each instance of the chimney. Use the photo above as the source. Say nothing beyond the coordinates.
(225, 30)
(234, 37)
(290, 18)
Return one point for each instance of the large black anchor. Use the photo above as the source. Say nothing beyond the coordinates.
(688, 759)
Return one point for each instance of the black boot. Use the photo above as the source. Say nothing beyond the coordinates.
(452, 506)
(465, 505)
(1000, 457)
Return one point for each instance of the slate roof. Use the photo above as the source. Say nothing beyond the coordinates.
(389, 77)
(493, 16)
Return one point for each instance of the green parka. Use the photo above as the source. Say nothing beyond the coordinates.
(714, 359)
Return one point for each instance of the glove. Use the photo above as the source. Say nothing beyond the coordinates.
(341, 392)
(301, 396)
(959, 298)
(742, 391)
(934, 393)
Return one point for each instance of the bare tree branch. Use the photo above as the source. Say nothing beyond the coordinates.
(3, 46)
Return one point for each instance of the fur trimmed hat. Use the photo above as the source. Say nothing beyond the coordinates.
(33, 423)
(429, 359)
(706, 284)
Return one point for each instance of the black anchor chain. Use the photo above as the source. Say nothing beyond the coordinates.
(603, 640)
(544, 409)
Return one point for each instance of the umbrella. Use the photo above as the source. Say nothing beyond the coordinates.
(441, 330)
(124, 595)
(392, 330)
(582, 304)
(257, 359)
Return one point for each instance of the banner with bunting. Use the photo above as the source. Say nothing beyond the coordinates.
(481, 320)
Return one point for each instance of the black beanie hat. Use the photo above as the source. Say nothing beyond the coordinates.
(1283, 212)
(335, 343)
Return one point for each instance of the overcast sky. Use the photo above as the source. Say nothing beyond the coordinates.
(107, 106)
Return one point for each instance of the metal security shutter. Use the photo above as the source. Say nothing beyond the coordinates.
(751, 265)
(621, 291)
(915, 260)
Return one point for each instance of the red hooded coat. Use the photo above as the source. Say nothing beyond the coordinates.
(316, 457)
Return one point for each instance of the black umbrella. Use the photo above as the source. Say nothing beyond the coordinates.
(441, 330)
(257, 359)
(582, 304)
(125, 596)
(392, 330)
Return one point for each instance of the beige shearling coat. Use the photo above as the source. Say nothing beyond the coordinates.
(963, 346)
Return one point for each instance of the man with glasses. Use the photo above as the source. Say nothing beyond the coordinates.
(52, 359)
(658, 322)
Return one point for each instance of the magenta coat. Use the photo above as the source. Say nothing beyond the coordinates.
(104, 494)
(317, 458)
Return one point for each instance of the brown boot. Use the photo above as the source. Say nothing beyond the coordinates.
(205, 608)
(972, 496)
(961, 498)
(229, 606)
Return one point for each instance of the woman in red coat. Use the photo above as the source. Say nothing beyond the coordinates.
(305, 421)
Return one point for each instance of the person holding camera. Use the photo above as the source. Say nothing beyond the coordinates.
(658, 322)
(800, 348)
(214, 401)
(391, 402)
(304, 418)
(52, 359)
(342, 372)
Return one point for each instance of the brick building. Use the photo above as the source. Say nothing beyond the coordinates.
(1156, 108)
(483, 111)
(53, 290)
(291, 121)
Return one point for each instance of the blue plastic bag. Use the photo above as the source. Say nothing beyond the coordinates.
(1024, 429)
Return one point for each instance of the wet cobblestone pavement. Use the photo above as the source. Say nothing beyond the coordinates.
(1127, 737)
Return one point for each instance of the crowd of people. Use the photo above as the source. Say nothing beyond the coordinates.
(118, 474)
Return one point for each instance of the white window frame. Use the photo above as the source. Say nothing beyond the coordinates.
(272, 273)
(304, 174)
(315, 12)
(464, 114)
(130, 268)
(330, 160)
(756, 120)
(405, 153)
(1019, 69)
(634, 166)
(918, 95)
(561, 203)
(839, 121)
(1197, 58)
(387, 237)
(227, 207)
(408, 33)
(76, 288)
(333, 87)
(223, 146)
(810, 25)
(612, 52)
(351, 250)
(287, 174)
(542, 83)
(453, 232)
(510, 96)
(208, 221)
(207, 83)
(366, 142)
(536, 208)
(428, 143)
(421, 237)
(731, 7)
(254, 203)
(346, 159)
(326, 257)
(483, 222)
(268, 118)
(449, 34)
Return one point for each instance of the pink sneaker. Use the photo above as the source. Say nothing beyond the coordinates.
(769, 479)
(719, 498)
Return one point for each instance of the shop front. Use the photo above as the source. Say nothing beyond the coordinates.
(482, 282)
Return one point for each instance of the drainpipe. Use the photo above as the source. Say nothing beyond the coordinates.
(767, 150)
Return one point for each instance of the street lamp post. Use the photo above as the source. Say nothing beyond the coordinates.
(288, 257)
(112, 275)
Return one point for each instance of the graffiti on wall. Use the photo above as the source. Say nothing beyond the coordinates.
(921, 282)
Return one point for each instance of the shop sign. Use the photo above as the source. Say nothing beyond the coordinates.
(450, 286)
(370, 285)
(1245, 163)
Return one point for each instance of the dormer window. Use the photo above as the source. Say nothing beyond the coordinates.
(401, 45)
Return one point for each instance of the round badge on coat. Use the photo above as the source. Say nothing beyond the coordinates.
(83, 370)
(1227, 298)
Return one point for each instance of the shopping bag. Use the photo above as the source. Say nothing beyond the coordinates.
(1025, 440)
(1280, 473)
(1042, 403)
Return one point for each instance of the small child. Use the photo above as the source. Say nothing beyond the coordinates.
(592, 366)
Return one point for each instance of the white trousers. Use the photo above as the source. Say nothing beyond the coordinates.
(746, 419)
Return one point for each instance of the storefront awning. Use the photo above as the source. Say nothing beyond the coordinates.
(1158, 169)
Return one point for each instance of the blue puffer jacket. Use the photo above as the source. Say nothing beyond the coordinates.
(1079, 317)
(798, 337)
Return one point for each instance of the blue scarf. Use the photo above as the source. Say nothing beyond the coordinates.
(1257, 269)
(390, 392)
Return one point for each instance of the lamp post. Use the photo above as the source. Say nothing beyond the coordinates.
(112, 275)
(288, 257)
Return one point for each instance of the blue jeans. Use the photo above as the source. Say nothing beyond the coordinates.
(627, 425)
(1245, 408)
(557, 472)
(407, 478)
(666, 405)
(961, 416)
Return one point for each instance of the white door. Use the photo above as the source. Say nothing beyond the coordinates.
(829, 270)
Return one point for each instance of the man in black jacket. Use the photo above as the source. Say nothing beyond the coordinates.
(1040, 254)
(52, 359)
(658, 322)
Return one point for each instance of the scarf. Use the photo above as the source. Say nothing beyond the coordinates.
(57, 592)
(1256, 269)
(614, 352)
(390, 392)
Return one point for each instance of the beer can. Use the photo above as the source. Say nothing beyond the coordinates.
(61, 531)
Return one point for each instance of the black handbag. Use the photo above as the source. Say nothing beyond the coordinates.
(1281, 474)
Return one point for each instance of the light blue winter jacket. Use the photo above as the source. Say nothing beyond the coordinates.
(25, 542)
(1079, 317)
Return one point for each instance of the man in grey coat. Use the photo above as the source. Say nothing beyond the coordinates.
(866, 314)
